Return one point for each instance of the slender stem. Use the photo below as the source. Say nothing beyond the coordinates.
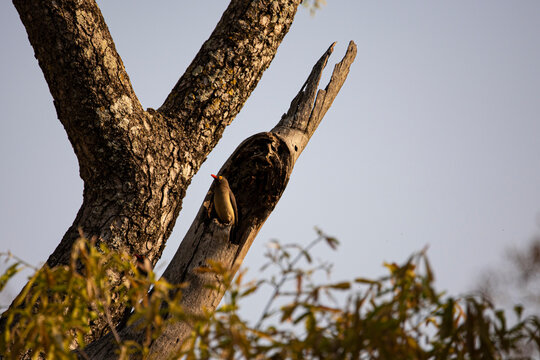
(10, 255)
(111, 325)
(284, 279)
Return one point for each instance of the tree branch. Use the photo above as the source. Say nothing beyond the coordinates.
(230, 63)
(306, 110)
(258, 172)
(225, 71)
(92, 93)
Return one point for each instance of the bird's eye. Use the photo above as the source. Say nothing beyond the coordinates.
(221, 177)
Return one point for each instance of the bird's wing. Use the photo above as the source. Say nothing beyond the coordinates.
(233, 203)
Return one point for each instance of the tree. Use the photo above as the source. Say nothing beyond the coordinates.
(136, 164)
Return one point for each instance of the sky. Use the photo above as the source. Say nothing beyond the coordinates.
(432, 141)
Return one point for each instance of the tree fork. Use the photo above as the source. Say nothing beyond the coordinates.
(136, 165)
(258, 172)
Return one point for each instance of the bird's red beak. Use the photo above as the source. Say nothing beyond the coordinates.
(214, 176)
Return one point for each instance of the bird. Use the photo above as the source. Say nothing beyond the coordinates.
(224, 201)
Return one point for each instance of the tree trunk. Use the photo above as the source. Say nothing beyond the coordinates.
(258, 172)
(136, 165)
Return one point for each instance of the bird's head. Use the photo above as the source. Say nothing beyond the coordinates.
(220, 179)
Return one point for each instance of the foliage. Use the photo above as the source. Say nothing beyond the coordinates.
(313, 5)
(516, 278)
(399, 315)
(53, 318)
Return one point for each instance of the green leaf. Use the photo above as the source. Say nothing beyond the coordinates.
(307, 256)
(429, 272)
(298, 319)
(250, 290)
(286, 311)
(345, 285)
(518, 309)
(8, 274)
(447, 325)
(366, 281)
(332, 242)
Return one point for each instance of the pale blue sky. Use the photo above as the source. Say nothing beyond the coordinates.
(433, 139)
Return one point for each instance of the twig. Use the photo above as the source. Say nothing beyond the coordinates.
(277, 287)
(10, 255)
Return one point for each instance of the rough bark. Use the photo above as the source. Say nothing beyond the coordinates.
(136, 165)
(258, 172)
